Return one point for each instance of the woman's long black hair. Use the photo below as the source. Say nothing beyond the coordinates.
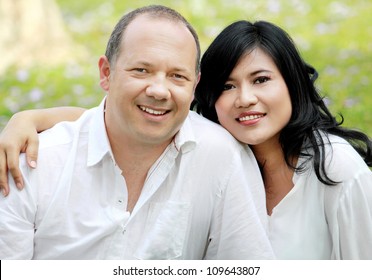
(310, 116)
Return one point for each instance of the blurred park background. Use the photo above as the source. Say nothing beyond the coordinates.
(50, 48)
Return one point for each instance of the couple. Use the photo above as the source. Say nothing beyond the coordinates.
(143, 177)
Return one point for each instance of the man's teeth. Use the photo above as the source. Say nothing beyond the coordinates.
(251, 117)
(151, 111)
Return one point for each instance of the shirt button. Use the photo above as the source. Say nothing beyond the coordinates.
(120, 202)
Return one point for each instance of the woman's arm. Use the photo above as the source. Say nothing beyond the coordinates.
(20, 136)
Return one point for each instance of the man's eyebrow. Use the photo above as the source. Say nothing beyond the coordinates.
(177, 68)
(181, 69)
(144, 63)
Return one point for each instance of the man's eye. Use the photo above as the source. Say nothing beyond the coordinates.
(141, 70)
(261, 80)
(178, 76)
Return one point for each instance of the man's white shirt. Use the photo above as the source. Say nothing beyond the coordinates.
(202, 199)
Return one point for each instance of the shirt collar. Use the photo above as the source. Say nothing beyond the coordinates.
(184, 140)
(99, 145)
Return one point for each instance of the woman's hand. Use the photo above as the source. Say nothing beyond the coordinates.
(18, 136)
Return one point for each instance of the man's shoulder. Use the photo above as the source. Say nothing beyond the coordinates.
(64, 132)
(211, 136)
(207, 130)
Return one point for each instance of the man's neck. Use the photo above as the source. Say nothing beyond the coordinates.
(135, 161)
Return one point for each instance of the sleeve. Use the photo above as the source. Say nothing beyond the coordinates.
(237, 230)
(17, 214)
(352, 224)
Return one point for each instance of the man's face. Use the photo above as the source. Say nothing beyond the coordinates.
(151, 84)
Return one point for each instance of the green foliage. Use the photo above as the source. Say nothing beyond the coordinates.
(334, 36)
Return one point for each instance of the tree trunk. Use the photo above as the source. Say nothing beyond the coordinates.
(32, 32)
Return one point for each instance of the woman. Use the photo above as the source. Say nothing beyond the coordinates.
(317, 181)
(318, 185)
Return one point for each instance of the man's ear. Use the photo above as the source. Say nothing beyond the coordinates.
(196, 83)
(104, 73)
(197, 80)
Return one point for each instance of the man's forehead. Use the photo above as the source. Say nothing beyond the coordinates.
(158, 30)
(147, 35)
(145, 21)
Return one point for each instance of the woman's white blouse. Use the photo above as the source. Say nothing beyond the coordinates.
(316, 221)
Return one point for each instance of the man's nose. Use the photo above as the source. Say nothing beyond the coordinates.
(158, 88)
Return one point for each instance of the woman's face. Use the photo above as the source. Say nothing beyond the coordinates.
(255, 104)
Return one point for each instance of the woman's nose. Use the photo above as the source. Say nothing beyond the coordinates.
(245, 98)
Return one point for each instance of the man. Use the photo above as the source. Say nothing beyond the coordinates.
(139, 177)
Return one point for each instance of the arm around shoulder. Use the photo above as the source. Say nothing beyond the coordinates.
(20, 136)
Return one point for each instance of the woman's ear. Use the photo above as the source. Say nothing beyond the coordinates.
(104, 73)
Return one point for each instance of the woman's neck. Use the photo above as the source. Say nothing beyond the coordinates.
(276, 173)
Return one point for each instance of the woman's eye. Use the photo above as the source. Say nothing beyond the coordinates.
(141, 70)
(228, 87)
(261, 80)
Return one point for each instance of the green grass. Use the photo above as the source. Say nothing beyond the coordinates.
(333, 36)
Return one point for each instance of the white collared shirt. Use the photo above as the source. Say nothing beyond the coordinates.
(203, 198)
(316, 221)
